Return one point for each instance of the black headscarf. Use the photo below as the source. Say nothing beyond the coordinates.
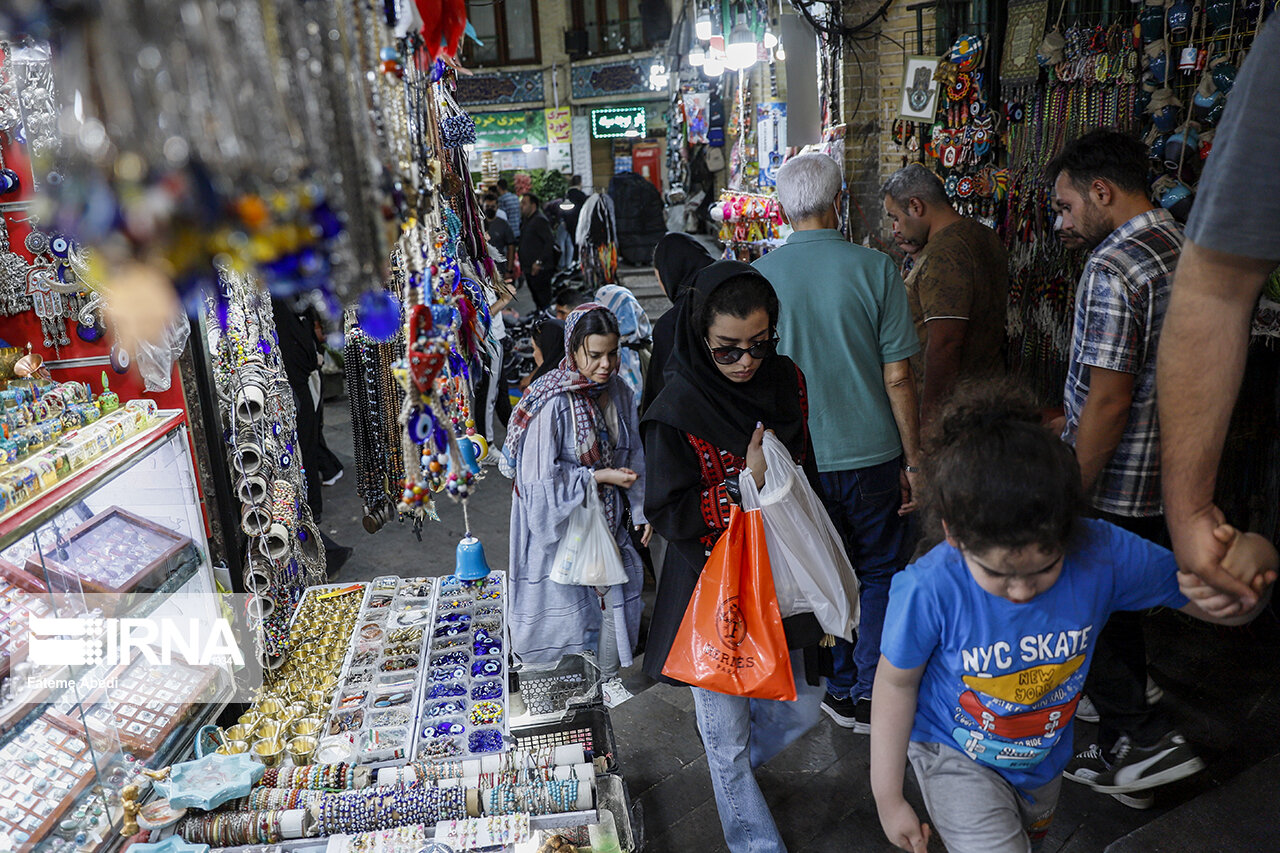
(550, 338)
(700, 400)
(677, 258)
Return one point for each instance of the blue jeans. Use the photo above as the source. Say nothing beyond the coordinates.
(863, 504)
(741, 734)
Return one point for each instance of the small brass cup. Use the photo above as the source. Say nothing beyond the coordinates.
(269, 752)
(268, 730)
(302, 750)
(241, 732)
(306, 727)
(233, 747)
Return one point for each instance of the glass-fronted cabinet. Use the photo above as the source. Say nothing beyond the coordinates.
(108, 662)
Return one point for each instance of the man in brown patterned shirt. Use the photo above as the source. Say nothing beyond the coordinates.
(957, 290)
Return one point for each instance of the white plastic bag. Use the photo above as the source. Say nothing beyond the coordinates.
(588, 553)
(809, 563)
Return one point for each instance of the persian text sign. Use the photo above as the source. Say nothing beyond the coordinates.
(617, 122)
(498, 131)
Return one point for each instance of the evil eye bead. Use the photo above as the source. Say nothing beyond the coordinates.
(486, 741)
(487, 690)
(482, 668)
(59, 245)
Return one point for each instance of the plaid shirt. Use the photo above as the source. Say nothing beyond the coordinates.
(1120, 305)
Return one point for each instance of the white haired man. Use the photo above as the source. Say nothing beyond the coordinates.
(844, 320)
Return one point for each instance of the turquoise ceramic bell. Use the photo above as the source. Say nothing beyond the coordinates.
(471, 565)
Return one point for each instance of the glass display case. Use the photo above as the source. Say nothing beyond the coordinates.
(93, 692)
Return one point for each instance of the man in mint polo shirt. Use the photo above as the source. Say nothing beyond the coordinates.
(844, 320)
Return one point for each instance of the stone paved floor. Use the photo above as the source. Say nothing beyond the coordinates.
(1222, 686)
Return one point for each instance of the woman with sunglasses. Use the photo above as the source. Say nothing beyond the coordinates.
(725, 386)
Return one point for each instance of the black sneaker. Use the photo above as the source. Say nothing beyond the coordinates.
(1086, 766)
(1137, 768)
(849, 714)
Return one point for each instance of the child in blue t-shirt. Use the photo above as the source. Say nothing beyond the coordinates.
(988, 637)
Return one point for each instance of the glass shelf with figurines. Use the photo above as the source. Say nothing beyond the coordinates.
(120, 538)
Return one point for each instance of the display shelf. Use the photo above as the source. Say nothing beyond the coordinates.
(129, 523)
(15, 522)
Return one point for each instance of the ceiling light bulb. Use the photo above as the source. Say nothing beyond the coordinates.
(770, 40)
(697, 56)
(714, 65)
(780, 54)
(702, 29)
(741, 51)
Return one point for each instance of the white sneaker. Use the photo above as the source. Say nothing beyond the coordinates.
(1154, 693)
(614, 693)
(335, 478)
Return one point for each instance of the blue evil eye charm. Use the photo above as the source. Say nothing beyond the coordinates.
(89, 334)
(59, 245)
(419, 426)
(486, 690)
(379, 313)
(120, 359)
(444, 691)
(482, 668)
(445, 709)
(444, 730)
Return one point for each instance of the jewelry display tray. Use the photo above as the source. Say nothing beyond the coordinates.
(166, 550)
(437, 608)
(383, 618)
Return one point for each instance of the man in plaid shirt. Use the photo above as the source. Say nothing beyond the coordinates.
(1110, 404)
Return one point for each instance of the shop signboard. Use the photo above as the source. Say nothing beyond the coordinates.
(618, 122)
(771, 134)
(582, 151)
(510, 130)
(559, 139)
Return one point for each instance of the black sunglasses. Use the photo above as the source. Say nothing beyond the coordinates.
(731, 355)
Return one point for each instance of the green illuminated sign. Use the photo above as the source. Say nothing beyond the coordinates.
(617, 122)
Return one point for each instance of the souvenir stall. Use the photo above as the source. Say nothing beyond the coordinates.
(100, 513)
(387, 713)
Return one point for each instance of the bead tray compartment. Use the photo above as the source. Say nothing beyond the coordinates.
(387, 656)
(461, 687)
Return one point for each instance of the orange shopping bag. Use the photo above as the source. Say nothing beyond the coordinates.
(731, 640)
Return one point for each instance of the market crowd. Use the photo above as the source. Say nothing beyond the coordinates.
(1004, 556)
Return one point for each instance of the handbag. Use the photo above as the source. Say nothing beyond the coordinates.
(811, 570)
(731, 639)
(588, 553)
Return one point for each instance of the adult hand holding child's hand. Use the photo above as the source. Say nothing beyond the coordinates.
(1249, 558)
